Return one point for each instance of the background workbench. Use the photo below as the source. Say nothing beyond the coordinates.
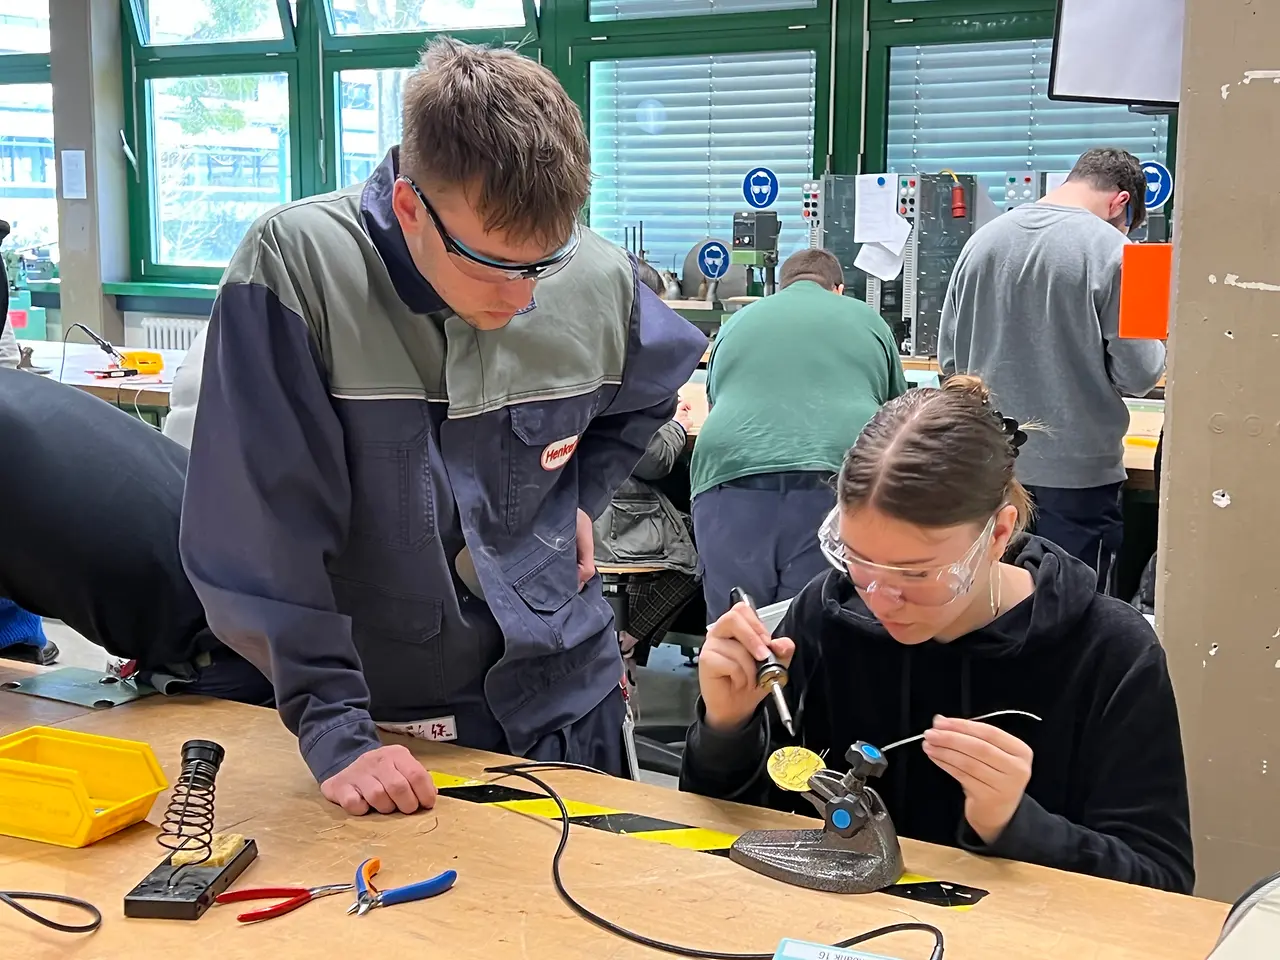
(1146, 417)
(70, 362)
(504, 905)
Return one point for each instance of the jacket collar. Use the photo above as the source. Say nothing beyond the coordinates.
(384, 230)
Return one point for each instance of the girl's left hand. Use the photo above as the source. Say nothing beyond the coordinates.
(992, 767)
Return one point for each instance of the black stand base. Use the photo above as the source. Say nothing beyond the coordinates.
(192, 890)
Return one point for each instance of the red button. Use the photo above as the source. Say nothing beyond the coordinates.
(903, 210)
(913, 183)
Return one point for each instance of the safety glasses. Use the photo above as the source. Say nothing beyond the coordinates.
(924, 586)
(479, 267)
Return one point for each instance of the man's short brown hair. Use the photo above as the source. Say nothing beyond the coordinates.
(1110, 168)
(820, 266)
(501, 124)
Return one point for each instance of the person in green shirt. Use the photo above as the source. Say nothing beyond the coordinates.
(792, 380)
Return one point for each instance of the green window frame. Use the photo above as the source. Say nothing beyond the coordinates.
(849, 133)
(139, 31)
(312, 57)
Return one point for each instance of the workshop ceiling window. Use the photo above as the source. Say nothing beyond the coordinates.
(645, 9)
(414, 16)
(219, 159)
(983, 108)
(673, 137)
(24, 26)
(182, 22)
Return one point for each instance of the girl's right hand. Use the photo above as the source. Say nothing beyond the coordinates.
(727, 666)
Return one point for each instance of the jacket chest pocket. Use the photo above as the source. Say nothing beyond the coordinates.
(389, 464)
(544, 440)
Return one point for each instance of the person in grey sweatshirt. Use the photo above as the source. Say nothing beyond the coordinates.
(1034, 309)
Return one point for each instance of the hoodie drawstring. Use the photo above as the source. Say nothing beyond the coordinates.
(904, 730)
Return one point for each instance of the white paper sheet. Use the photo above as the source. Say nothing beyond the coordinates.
(897, 241)
(876, 208)
(879, 261)
(985, 209)
(1052, 181)
(75, 178)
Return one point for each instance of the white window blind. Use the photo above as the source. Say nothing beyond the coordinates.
(673, 137)
(983, 108)
(643, 9)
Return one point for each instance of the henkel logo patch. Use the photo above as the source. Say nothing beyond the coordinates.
(557, 454)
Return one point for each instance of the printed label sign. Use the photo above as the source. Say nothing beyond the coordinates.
(439, 730)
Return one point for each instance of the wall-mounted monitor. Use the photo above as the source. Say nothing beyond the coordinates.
(1118, 51)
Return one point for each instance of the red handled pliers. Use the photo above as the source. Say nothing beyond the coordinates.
(291, 899)
(368, 896)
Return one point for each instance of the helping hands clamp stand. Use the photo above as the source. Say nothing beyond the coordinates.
(857, 849)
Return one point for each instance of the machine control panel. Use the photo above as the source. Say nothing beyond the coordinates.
(756, 231)
(811, 212)
(1020, 188)
(907, 188)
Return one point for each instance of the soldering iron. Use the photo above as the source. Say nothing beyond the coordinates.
(770, 672)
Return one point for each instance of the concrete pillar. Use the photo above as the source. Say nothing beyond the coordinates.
(88, 115)
(1220, 519)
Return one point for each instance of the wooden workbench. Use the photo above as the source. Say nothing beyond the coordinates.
(504, 905)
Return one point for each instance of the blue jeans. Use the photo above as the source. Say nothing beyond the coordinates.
(760, 533)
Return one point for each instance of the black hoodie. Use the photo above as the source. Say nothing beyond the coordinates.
(1108, 790)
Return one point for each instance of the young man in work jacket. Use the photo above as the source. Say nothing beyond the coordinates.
(400, 442)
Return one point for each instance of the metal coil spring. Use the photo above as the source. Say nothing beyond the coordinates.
(188, 821)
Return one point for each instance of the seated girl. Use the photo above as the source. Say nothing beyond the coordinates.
(940, 609)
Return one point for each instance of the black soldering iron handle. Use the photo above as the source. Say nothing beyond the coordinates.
(736, 596)
(770, 673)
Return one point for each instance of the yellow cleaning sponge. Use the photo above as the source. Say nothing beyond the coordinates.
(224, 847)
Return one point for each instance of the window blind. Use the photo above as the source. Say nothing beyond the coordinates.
(983, 108)
(642, 9)
(673, 137)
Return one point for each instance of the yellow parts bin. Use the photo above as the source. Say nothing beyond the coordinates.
(72, 789)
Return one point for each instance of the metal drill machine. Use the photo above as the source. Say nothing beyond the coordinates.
(755, 245)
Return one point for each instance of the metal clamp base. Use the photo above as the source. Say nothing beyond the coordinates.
(818, 860)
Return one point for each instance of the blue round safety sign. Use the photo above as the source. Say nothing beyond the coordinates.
(760, 188)
(713, 259)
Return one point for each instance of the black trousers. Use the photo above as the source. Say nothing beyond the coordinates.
(1087, 523)
(760, 533)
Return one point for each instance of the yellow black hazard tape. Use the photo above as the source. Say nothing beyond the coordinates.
(939, 893)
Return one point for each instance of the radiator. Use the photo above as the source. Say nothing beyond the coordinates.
(171, 333)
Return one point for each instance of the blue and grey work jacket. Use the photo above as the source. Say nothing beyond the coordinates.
(354, 435)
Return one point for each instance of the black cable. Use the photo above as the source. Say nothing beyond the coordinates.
(11, 897)
(521, 770)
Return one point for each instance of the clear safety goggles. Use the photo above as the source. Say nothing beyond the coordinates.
(479, 267)
(933, 586)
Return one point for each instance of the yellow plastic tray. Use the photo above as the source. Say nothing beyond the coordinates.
(72, 789)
